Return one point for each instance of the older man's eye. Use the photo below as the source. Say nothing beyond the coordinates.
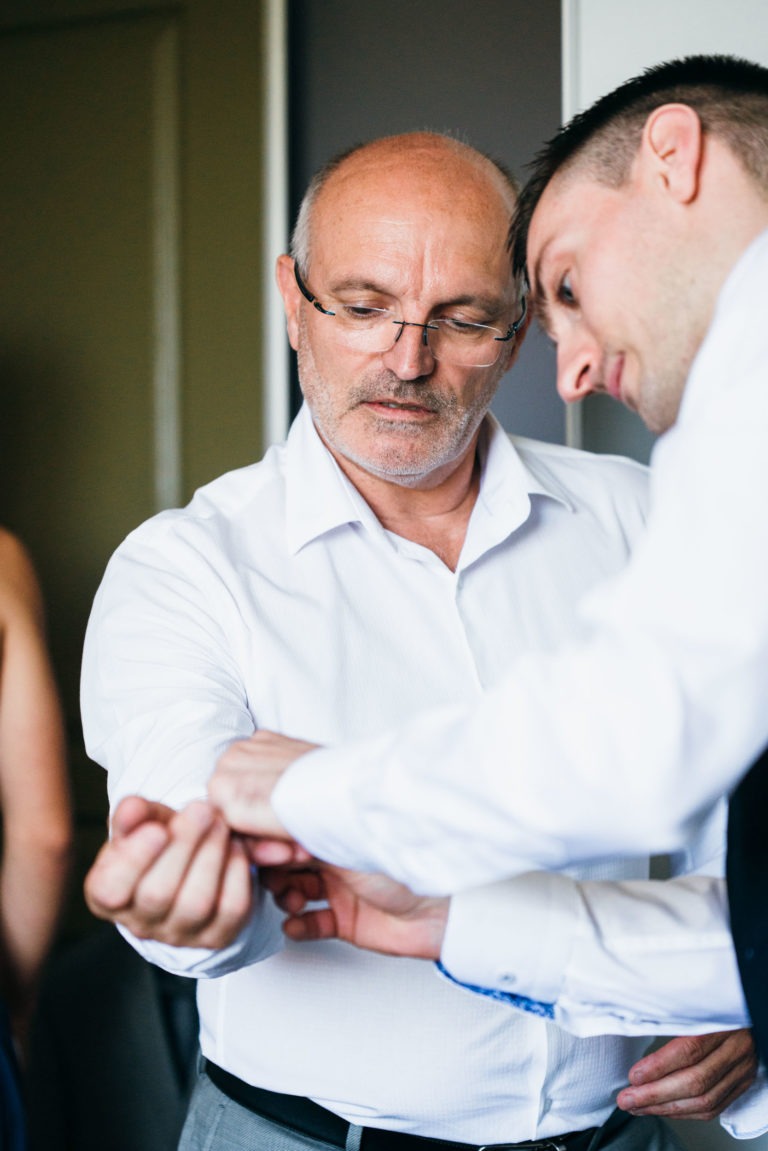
(361, 313)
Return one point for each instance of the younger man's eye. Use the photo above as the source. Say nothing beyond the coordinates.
(565, 292)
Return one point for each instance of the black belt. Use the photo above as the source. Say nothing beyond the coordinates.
(311, 1119)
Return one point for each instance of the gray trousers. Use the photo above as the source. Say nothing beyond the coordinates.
(216, 1123)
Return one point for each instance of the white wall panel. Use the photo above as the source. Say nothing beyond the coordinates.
(604, 43)
(607, 41)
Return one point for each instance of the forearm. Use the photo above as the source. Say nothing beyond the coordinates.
(34, 792)
(37, 864)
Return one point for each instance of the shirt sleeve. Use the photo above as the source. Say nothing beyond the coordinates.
(638, 957)
(626, 956)
(162, 697)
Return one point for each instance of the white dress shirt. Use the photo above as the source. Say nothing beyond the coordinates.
(614, 740)
(277, 600)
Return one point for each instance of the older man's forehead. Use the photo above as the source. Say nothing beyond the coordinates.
(391, 222)
(424, 166)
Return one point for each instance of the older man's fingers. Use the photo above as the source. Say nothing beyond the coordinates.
(158, 889)
(132, 811)
(111, 883)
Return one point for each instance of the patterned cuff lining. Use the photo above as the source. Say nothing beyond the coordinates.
(522, 1002)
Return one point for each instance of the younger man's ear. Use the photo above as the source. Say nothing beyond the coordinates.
(673, 145)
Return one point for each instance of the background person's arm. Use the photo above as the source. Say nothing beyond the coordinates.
(34, 794)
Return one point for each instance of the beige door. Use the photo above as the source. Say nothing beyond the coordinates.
(129, 287)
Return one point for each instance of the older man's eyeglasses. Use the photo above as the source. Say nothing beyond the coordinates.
(454, 341)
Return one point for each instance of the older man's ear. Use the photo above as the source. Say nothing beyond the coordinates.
(289, 290)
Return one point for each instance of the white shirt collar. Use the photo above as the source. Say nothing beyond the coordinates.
(320, 498)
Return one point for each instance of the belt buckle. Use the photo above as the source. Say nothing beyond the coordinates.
(538, 1145)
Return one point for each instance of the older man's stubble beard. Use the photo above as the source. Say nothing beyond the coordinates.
(406, 452)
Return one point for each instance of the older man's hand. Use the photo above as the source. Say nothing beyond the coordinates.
(692, 1077)
(241, 788)
(179, 877)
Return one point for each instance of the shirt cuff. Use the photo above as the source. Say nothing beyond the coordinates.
(314, 802)
(748, 1116)
(260, 938)
(515, 936)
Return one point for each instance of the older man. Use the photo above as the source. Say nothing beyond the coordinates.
(398, 552)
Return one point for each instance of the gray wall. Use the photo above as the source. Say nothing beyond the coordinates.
(489, 70)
